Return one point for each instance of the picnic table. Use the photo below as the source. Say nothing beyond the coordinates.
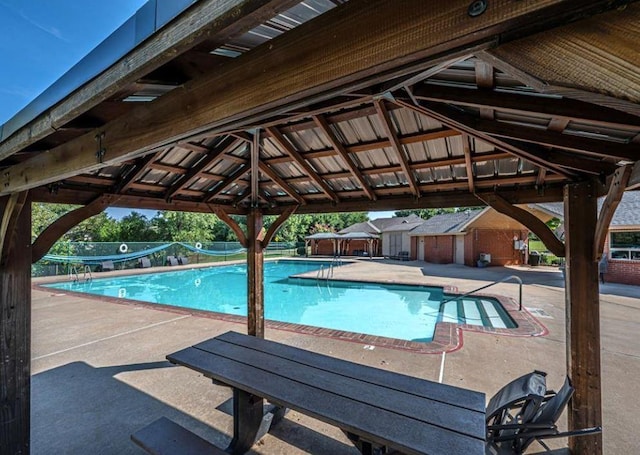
(377, 409)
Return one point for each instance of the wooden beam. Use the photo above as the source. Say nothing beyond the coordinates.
(527, 219)
(285, 146)
(595, 147)
(466, 147)
(10, 208)
(385, 119)
(57, 229)
(242, 170)
(139, 169)
(371, 145)
(634, 178)
(194, 172)
(277, 224)
(255, 275)
(70, 196)
(235, 227)
(273, 175)
(582, 316)
(553, 106)
(255, 169)
(614, 195)
(15, 327)
(465, 123)
(338, 147)
(368, 39)
(568, 160)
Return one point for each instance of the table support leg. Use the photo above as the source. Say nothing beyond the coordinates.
(251, 420)
(366, 447)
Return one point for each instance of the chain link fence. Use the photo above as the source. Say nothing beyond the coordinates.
(65, 257)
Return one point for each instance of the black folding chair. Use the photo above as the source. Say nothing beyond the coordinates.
(524, 411)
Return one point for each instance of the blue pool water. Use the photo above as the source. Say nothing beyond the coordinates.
(395, 311)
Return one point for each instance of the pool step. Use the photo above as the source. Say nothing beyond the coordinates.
(474, 312)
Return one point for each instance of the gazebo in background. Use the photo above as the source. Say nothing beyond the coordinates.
(275, 107)
(347, 244)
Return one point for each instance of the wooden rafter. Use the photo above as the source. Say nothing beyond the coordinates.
(617, 186)
(140, 167)
(235, 227)
(468, 162)
(11, 208)
(385, 119)
(338, 147)
(255, 168)
(529, 220)
(485, 81)
(200, 166)
(385, 39)
(634, 179)
(55, 230)
(241, 171)
(570, 161)
(464, 123)
(595, 147)
(273, 175)
(561, 109)
(372, 145)
(285, 146)
(277, 224)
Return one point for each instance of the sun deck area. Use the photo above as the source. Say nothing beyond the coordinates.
(99, 371)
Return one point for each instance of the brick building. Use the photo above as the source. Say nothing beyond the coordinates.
(466, 237)
(622, 246)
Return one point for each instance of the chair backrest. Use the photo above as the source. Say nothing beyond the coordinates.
(171, 260)
(552, 409)
(528, 389)
(107, 265)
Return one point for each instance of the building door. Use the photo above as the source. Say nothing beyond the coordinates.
(459, 255)
(395, 243)
(420, 248)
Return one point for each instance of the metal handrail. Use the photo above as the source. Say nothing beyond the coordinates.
(87, 269)
(512, 277)
(73, 272)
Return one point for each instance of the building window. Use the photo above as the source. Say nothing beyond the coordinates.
(625, 245)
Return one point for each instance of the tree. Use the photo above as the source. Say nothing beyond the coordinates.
(425, 214)
(185, 227)
(135, 227)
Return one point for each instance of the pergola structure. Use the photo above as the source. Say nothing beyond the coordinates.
(255, 107)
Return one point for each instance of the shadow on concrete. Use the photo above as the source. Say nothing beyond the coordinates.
(79, 409)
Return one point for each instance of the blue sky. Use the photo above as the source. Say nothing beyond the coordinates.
(40, 40)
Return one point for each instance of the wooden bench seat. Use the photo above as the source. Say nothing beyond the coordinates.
(375, 408)
(165, 437)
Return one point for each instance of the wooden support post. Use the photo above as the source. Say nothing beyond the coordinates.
(583, 315)
(255, 275)
(15, 326)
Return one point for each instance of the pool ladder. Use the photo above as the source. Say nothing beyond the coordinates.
(75, 277)
(336, 262)
(512, 277)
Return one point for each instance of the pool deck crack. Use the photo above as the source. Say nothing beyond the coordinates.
(128, 332)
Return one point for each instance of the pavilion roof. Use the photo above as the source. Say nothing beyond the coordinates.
(348, 106)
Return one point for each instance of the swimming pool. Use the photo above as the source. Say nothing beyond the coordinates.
(389, 310)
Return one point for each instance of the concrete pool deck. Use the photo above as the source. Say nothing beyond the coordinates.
(99, 371)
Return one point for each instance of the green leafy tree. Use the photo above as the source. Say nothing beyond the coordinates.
(135, 227)
(185, 227)
(428, 213)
